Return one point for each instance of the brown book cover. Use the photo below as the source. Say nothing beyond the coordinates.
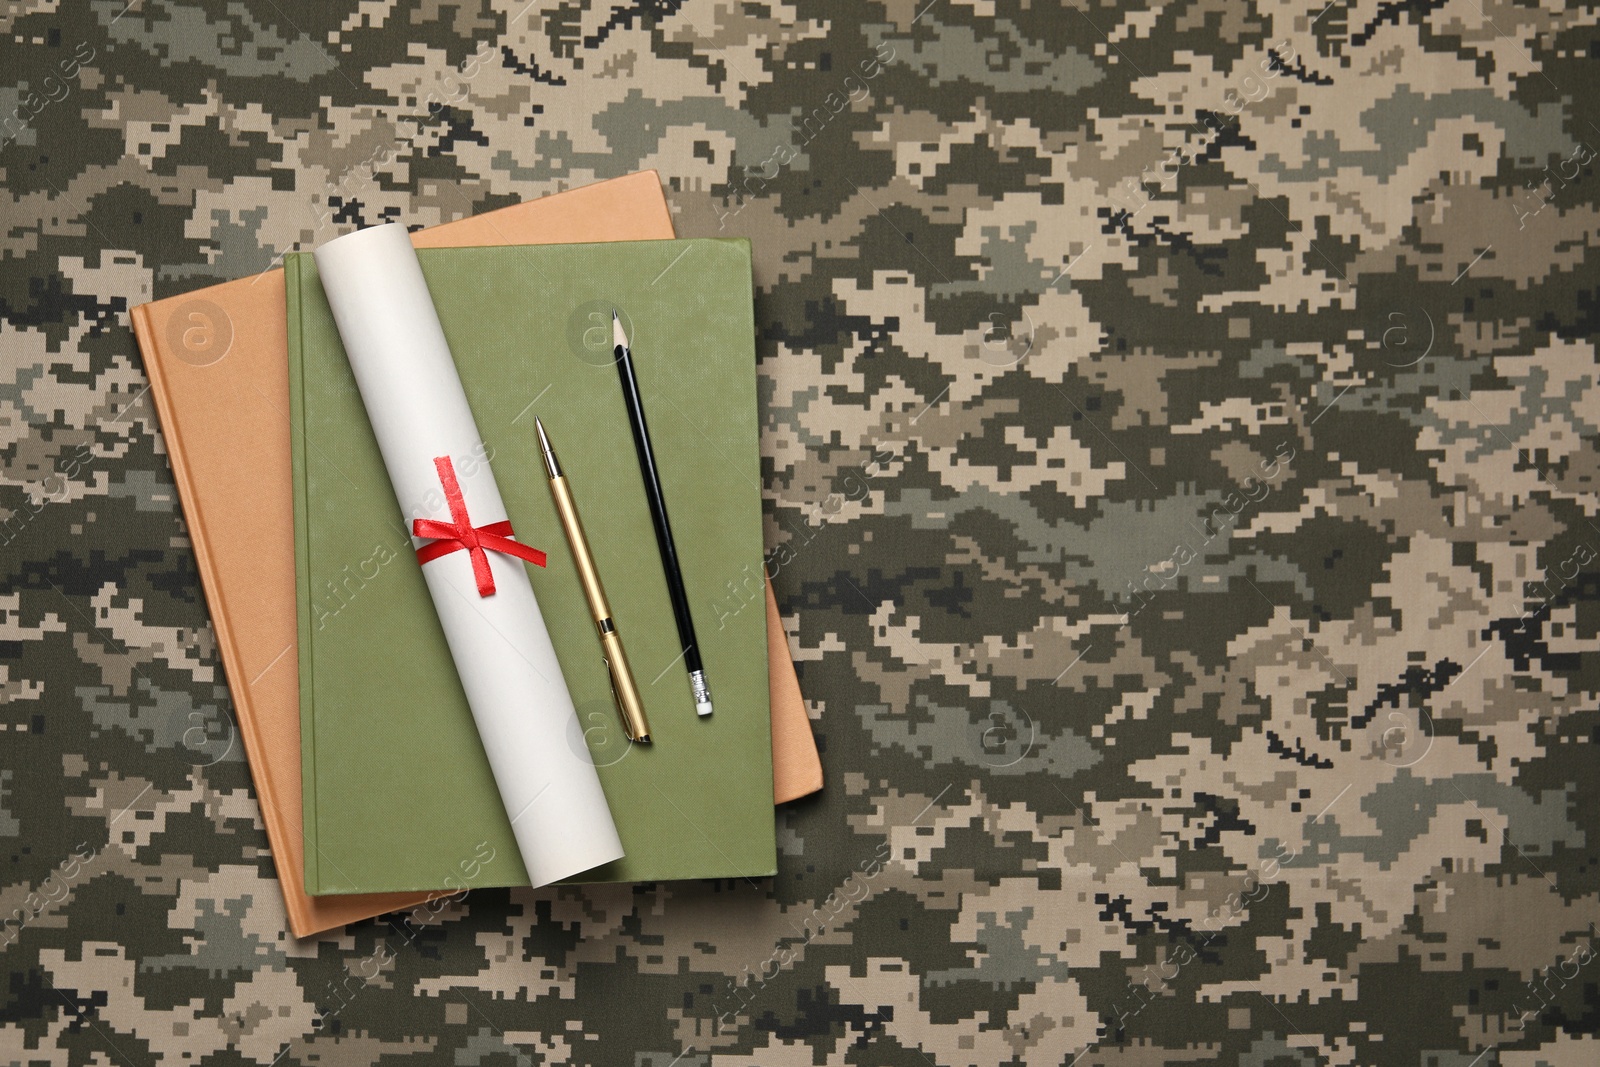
(796, 767)
(218, 368)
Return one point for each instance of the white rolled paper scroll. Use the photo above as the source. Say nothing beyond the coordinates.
(501, 647)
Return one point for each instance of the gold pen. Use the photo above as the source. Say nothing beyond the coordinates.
(623, 688)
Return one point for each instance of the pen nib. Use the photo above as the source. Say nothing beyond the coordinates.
(618, 338)
(551, 466)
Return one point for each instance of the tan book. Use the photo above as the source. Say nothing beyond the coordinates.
(796, 768)
(217, 360)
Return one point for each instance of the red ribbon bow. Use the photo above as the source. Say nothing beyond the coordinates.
(460, 534)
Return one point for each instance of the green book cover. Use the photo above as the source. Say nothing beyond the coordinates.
(398, 791)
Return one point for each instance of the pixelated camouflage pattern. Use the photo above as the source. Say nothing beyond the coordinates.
(1181, 450)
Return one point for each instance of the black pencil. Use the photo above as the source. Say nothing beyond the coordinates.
(698, 686)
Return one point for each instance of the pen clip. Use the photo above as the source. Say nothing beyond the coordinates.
(616, 697)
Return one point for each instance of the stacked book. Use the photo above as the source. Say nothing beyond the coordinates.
(362, 706)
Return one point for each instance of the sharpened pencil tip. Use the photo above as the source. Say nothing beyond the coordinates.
(618, 338)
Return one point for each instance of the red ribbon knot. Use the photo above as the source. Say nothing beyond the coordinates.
(459, 534)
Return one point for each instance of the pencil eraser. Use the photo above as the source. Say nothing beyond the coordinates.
(703, 707)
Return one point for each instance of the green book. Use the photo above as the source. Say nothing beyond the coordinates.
(398, 791)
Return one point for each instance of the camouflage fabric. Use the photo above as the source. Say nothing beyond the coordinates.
(1181, 448)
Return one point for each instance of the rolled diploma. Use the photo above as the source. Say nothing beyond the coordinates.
(502, 650)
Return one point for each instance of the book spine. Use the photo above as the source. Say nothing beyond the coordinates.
(796, 767)
(312, 867)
